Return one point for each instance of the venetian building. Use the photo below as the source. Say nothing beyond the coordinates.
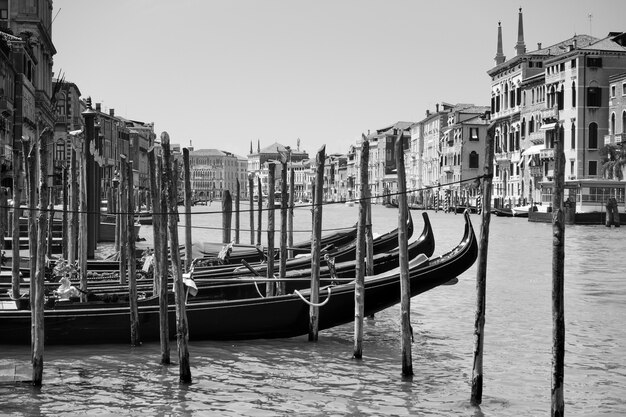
(212, 172)
(462, 153)
(564, 92)
(617, 110)
(26, 27)
(429, 159)
(258, 162)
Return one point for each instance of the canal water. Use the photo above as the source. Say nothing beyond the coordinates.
(294, 376)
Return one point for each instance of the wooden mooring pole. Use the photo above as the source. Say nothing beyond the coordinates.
(160, 256)
(405, 283)
(30, 167)
(64, 217)
(292, 188)
(251, 200)
(123, 221)
(270, 288)
(227, 216)
(316, 245)
(259, 211)
(481, 271)
(558, 275)
(38, 296)
(135, 335)
(17, 197)
(283, 221)
(237, 209)
(359, 286)
(187, 192)
(74, 217)
(182, 328)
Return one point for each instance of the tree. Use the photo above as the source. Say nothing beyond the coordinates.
(613, 160)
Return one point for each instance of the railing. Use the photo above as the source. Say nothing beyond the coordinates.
(535, 171)
(503, 157)
(546, 153)
(615, 138)
(551, 113)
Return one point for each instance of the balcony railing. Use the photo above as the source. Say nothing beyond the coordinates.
(615, 138)
(503, 157)
(551, 113)
(546, 153)
(446, 168)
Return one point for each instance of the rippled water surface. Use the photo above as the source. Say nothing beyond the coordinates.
(294, 376)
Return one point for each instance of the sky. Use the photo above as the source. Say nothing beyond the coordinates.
(220, 74)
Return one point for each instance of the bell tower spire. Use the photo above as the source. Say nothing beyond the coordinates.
(500, 58)
(520, 47)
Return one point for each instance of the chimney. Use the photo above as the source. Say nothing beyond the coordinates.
(427, 112)
(538, 45)
(437, 108)
(98, 106)
(500, 58)
(521, 46)
(112, 112)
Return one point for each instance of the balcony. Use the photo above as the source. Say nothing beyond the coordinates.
(616, 138)
(551, 113)
(535, 171)
(446, 168)
(503, 158)
(546, 153)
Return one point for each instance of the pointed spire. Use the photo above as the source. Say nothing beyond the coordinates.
(520, 47)
(500, 58)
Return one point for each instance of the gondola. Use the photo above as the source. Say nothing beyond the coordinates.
(383, 261)
(253, 253)
(345, 253)
(241, 319)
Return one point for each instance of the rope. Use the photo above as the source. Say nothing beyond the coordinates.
(371, 197)
(310, 303)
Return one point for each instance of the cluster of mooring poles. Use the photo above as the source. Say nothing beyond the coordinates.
(558, 258)
(79, 210)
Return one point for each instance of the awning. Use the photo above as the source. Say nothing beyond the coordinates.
(548, 126)
(533, 150)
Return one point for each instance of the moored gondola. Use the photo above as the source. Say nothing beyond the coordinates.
(242, 318)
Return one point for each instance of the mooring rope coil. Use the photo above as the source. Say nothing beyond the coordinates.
(313, 304)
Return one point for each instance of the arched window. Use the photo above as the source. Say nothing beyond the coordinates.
(532, 96)
(531, 124)
(506, 96)
(612, 132)
(523, 127)
(573, 94)
(473, 160)
(593, 135)
(624, 122)
(573, 136)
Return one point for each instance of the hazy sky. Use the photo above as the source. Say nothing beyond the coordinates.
(224, 73)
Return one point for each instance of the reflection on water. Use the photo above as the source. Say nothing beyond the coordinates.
(293, 376)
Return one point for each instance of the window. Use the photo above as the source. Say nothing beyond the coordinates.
(573, 94)
(573, 63)
(593, 136)
(593, 167)
(573, 136)
(473, 133)
(559, 97)
(473, 160)
(594, 62)
(624, 89)
(594, 97)
(612, 91)
(571, 168)
(562, 67)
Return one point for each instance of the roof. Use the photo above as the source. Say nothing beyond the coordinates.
(559, 48)
(208, 152)
(277, 148)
